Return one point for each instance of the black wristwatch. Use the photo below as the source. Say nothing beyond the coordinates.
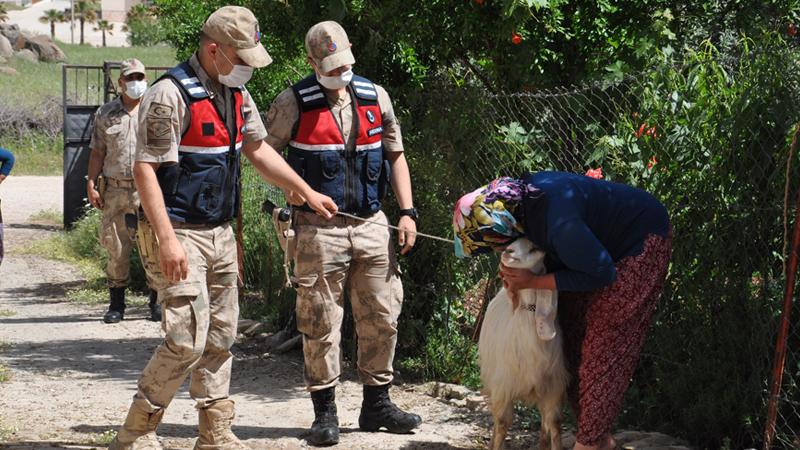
(410, 212)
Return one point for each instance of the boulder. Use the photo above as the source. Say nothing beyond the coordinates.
(6, 50)
(10, 31)
(27, 55)
(45, 49)
(10, 71)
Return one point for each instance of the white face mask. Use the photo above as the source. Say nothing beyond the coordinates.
(239, 76)
(135, 89)
(337, 82)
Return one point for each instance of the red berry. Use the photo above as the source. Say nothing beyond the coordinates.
(792, 29)
(479, 2)
(516, 39)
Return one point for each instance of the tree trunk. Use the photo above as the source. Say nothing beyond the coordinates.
(82, 22)
(104, 38)
(52, 30)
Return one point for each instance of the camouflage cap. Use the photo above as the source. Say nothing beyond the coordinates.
(131, 65)
(328, 46)
(237, 27)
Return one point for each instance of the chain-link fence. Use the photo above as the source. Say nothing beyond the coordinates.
(709, 136)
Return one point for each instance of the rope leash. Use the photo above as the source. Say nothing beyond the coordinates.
(429, 236)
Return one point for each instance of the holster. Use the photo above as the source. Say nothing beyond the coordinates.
(101, 185)
(145, 238)
(282, 221)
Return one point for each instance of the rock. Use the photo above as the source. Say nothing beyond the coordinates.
(449, 391)
(3, 60)
(9, 71)
(254, 329)
(10, 31)
(458, 402)
(27, 55)
(649, 441)
(474, 403)
(431, 388)
(45, 48)
(244, 324)
(6, 50)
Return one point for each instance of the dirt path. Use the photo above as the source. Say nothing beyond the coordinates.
(72, 376)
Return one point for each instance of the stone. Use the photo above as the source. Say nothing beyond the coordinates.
(10, 31)
(27, 55)
(458, 402)
(45, 48)
(9, 71)
(6, 50)
(450, 391)
(474, 403)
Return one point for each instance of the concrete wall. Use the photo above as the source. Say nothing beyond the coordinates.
(116, 10)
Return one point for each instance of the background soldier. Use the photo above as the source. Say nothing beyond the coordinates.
(187, 172)
(113, 147)
(344, 139)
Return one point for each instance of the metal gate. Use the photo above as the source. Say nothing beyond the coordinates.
(84, 89)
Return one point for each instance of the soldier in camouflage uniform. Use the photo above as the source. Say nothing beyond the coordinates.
(195, 123)
(110, 184)
(344, 139)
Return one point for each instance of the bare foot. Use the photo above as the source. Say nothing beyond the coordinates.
(607, 443)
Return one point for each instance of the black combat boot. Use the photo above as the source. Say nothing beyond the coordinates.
(378, 411)
(116, 310)
(155, 308)
(325, 429)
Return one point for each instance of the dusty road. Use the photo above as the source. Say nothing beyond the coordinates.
(71, 377)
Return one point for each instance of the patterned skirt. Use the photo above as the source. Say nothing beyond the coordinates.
(604, 331)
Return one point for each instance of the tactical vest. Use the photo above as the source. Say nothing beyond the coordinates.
(203, 188)
(355, 178)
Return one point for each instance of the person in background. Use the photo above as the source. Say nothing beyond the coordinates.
(110, 187)
(6, 164)
(607, 249)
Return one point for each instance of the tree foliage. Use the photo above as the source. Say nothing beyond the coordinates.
(143, 27)
(718, 142)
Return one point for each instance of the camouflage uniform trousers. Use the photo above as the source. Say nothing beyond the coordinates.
(114, 235)
(332, 256)
(200, 316)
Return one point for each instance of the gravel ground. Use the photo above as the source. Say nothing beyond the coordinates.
(71, 377)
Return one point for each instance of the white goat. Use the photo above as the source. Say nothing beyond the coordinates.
(521, 355)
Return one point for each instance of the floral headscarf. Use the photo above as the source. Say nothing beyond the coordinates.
(484, 219)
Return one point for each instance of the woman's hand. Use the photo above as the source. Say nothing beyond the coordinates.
(516, 279)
